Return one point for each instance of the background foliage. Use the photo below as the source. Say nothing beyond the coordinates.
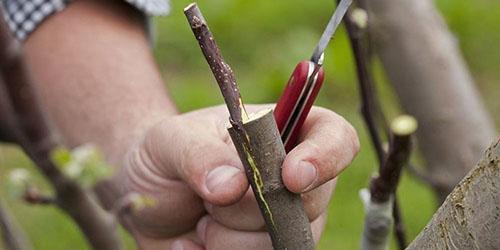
(263, 40)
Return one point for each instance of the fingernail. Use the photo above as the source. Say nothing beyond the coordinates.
(306, 174)
(177, 245)
(220, 176)
(201, 229)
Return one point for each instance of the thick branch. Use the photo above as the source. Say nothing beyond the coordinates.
(262, 157)
(469, 217)
(260, 148)
(430, 77)
(27, 122)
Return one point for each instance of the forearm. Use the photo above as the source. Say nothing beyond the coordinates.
(97, 76)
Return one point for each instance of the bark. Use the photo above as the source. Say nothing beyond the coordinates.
(221, 70)
(384, 185)
(25, 120)
(370, 108)
(262, 157)
(379, 202)
(13, 237)
(378, 222)
(423, 62)
(470, 216)
(260, 148)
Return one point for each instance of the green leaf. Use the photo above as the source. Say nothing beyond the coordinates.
(84, 163)
(61, 156)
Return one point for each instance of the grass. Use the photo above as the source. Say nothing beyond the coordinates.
(263, 40)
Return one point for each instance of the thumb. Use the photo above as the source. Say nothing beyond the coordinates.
(195, 153)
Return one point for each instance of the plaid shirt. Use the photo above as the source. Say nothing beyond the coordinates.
(23, 16)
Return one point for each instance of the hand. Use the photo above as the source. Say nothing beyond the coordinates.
(190, 166)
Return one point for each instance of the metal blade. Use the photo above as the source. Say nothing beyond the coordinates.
(333, 24)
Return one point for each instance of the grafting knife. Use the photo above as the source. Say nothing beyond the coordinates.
(304, 84)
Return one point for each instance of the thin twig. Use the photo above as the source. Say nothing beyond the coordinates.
(370, 108)
(365, 81)
(399, 228)
(13, 238)
(384, 185)
(33, 196)
(221, 70)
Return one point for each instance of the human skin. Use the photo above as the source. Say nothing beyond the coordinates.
(99, 83)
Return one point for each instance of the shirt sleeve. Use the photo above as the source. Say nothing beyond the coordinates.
(23, 16)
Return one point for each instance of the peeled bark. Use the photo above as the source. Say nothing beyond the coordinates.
(423, 62)
(470, 215)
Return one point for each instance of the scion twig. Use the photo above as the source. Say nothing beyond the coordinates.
(221, 70)
(260, 148)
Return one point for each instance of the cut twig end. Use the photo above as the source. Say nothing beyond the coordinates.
(404, 125)
(251, 117)
(190, 6)
(360, 18)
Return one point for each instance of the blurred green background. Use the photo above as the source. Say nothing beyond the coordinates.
(263, 40)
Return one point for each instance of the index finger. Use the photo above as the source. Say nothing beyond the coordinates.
(328, 144)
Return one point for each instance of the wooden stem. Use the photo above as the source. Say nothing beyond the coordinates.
(26, 120)
(384, 185)
(260, 148)
(13, 238)
(221, 70)
(263, 154)
(370, 109)
(424, 62)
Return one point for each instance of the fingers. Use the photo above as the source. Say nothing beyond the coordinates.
(186, 241)
(217, 236)
(328, 144)
(190, 148)
(185, 245)
(245, 214)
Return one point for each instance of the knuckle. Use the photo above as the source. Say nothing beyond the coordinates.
(354, 139)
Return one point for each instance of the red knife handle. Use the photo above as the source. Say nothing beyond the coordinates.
(296, 101)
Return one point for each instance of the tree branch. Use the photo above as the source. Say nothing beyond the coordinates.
(33, 196)
(425, 63)
(384, 185)
(370, 108)
(260, 148)
(13, 237)
(469, 217)
(221, 70)
(26, 120)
